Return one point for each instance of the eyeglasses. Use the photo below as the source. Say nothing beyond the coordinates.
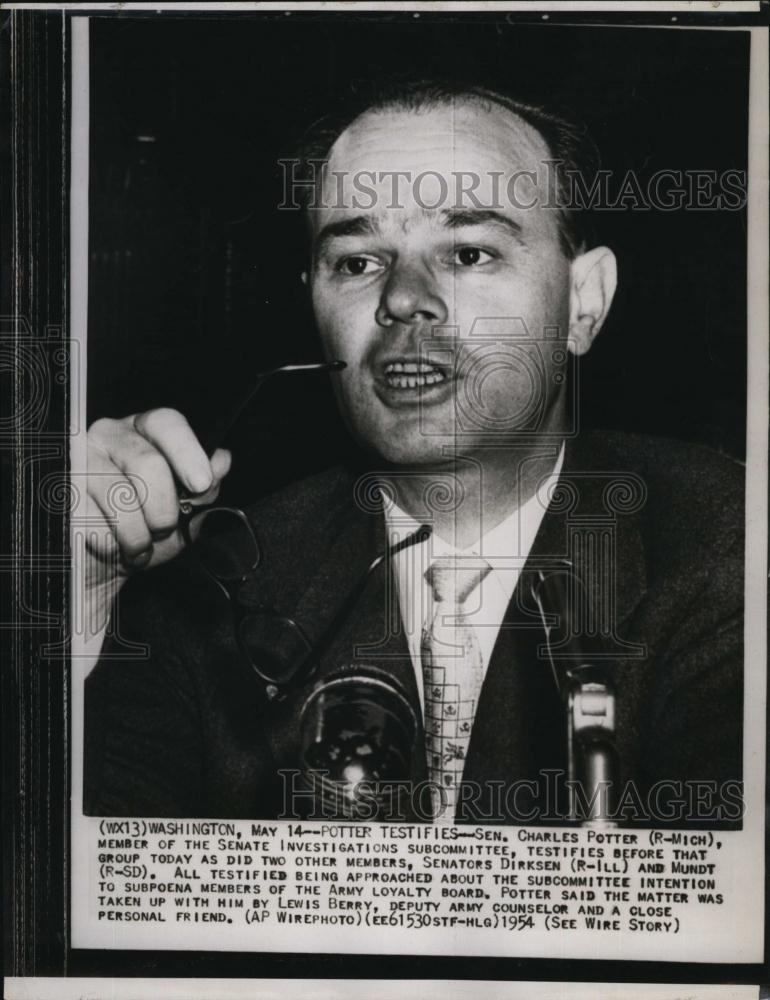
(276, 647)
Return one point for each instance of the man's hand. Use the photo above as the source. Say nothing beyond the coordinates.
(137, 466)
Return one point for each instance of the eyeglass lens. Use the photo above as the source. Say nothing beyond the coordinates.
(276, 646)
(225, 543)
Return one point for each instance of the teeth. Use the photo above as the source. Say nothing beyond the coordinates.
(410, 367)
(399, 381)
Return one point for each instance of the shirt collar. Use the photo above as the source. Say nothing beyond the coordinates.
(513, 536)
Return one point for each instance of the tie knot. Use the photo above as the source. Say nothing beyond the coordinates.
(453, 580)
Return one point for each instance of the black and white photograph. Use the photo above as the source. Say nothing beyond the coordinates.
(455, 362)
(411, 495)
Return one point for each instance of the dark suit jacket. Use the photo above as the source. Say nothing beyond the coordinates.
(178, 725)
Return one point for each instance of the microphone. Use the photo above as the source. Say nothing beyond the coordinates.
(357, 736)
(588, 696)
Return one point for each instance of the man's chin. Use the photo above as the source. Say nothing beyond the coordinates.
(421, 455)
(412, 439)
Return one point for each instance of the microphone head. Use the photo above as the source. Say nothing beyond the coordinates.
(357, 726)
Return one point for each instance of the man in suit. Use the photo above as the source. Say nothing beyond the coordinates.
(453, 281)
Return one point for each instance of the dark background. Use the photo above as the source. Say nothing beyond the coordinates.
(195, 272)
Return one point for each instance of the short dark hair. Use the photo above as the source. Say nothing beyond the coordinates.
(571, 148)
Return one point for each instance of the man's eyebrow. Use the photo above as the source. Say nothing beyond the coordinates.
(356, 225)
(454, 218)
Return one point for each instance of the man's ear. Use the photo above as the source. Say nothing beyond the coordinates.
(304, 277)
(594, 277)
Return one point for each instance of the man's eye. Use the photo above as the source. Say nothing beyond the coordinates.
(355, 266)
(472, 256)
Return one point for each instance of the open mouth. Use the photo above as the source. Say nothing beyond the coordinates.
(413, 375)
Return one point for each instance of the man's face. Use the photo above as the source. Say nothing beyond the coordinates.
(452, 319)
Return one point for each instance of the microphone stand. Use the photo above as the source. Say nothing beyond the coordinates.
(588, 697)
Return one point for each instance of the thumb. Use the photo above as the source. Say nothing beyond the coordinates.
(221, 461)
(220, 466)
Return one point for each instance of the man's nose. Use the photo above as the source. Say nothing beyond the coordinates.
(410, 296)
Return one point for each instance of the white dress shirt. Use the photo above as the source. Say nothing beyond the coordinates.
(505, 547)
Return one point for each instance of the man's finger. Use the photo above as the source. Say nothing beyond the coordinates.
(99, 539)
(220, 464)
(143, 463)
(171, 434)
(221, 461)
(120, 500)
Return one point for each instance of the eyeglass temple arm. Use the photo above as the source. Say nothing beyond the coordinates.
(210, 445)
(211, 440)
(416, 538)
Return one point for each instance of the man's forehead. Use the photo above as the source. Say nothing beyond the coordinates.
(333, 224)
(462, 136)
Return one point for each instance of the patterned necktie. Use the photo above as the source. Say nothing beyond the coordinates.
(453, 672)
